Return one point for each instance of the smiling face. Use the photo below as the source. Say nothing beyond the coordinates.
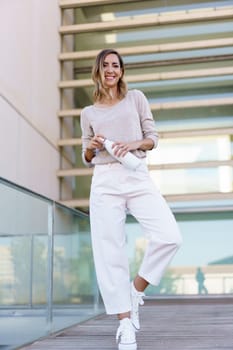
(108, 76)
(112, 71)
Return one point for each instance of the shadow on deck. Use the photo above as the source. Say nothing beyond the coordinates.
(166, 324)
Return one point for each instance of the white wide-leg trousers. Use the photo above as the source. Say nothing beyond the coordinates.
(114, 191)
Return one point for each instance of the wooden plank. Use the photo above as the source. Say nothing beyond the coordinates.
(75, 172)
(192, 103)
(146, 49)
(195, 133)
(174, 63)
(165, 105)
(162, 18)
(165, 135)
(197, 73)
(76, 203)
(70, 142)
(169, 166)
(191, 165)
(166, 323)
(180, 74)
(69, 113)
(187, 197)
(67, 4)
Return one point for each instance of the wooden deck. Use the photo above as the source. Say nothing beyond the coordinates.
(183, 324)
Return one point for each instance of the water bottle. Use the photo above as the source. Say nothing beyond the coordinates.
(130, 161)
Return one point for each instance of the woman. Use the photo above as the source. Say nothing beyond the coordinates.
(124, 117)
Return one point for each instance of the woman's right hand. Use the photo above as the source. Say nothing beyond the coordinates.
(96, 142)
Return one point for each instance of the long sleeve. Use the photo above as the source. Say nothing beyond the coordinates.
(127, 121)
(87, 134)
(146, 117)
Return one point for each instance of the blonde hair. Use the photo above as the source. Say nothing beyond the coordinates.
(97, 72)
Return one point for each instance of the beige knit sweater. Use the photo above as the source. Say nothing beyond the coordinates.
(128, 120)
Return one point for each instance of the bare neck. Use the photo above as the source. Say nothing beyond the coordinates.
(112, 100)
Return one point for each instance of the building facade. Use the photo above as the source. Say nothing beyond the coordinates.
(29, 98)
(180, 54)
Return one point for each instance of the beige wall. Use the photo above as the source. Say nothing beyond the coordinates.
(29, 98)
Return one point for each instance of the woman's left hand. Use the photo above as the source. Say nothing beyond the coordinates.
(121, 148)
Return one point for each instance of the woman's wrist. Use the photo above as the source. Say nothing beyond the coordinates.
(89, 154)
(146, 144)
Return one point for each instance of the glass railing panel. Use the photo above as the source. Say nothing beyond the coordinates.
(203, 264)
(75, 293)
(22, 213)
(207, 254)
(23, 261)
(47, 277)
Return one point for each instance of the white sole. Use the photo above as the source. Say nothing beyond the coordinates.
(132, 346)
(127, 346)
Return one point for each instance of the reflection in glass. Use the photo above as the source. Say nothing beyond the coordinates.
(204, 247)
(74, 278)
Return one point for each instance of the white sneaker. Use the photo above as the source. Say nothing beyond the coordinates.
(126, 335)
(136, 300)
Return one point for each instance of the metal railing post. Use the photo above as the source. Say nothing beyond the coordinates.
(50, 266)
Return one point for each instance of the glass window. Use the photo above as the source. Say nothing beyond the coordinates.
(194, 180)
(191, 149)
